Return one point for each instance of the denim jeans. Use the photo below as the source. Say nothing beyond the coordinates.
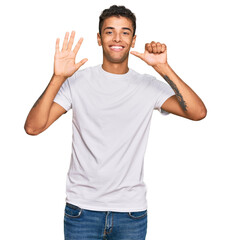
(83, 224)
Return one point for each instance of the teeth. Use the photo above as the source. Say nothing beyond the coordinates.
(116, 47)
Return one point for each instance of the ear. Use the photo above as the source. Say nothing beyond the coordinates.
(99, 39)
(133, 41)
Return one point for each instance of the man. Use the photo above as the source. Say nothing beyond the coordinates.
(112, 109)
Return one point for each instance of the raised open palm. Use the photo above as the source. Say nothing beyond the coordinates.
(64, 62)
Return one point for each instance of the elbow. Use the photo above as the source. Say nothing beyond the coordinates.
(200, 115)
(31, 131)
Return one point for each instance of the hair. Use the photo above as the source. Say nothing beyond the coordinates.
(117, 11)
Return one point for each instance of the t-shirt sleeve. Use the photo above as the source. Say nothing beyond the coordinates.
(162, 92)
(63, 97)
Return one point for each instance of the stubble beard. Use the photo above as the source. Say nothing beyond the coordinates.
(115, 60)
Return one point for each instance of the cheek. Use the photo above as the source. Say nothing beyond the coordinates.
(131, 41)
(105, 40)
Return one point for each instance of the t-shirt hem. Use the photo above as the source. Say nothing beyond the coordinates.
(115, 209)
(162, 102)
(61, 104)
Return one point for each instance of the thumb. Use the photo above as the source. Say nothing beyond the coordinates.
(79, 64)
(137, 54)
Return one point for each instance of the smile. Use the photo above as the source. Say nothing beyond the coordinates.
(116, 48)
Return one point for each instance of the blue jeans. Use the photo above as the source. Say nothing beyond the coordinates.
(83, 224)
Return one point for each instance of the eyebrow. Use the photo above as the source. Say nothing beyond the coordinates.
(125, 28)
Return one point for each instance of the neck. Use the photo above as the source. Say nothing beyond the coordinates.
(116, 68)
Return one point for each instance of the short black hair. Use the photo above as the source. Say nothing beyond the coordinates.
(117, 11)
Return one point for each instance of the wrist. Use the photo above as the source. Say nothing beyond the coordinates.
(58, 78)
(57, 81)
(162, 68)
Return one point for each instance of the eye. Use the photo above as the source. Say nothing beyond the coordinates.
(126, 33)
(109, 32)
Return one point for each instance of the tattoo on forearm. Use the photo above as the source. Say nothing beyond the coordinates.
(178, 94)
(36, 103)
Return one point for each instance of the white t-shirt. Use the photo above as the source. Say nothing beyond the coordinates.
(111, 121)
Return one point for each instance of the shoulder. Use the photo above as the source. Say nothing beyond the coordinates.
(85, 71)
(154, 83)
(83, 74)
(146, 77)
(141, 75)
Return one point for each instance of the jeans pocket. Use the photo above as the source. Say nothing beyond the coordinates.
(138, 215)
(72, 211)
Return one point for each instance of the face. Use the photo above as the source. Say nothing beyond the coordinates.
(116, 39)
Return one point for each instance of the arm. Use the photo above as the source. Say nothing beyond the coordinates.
(186, 103)
(45, 111)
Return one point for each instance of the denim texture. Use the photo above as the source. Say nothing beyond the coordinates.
(83, 224)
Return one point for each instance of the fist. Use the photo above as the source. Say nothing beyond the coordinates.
(156, 48)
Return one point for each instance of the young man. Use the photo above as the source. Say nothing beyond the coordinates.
(112, 109)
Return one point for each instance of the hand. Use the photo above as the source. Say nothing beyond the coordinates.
(154, 54)
(64, 63)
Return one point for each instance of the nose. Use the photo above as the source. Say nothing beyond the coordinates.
(117, 37)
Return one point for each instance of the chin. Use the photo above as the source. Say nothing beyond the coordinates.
(117, 60)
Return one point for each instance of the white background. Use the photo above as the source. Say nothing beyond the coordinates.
(187, 163)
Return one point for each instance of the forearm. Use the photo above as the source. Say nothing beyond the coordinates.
(39, 113)
(189, 101)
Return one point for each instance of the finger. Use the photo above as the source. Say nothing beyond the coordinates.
(77, 46)
(79, 64)
(137, 54)
(158, 47)
(57, 45)
(154, 48)
(148, 47)
(71, 41)
(163, 48)
(65, 41)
